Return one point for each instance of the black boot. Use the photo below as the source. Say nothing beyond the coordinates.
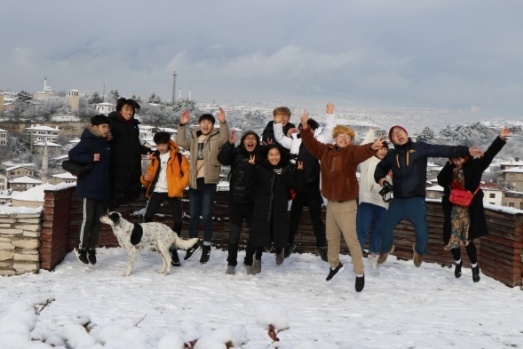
(475, 273)
(175, 259)
(360, 283)
(206, 254)
(457, 270)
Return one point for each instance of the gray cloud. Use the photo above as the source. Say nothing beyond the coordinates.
(413, 53)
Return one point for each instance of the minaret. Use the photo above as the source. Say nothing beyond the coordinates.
(189, 98)
(174, 87)
(45, 164)
(179, 93)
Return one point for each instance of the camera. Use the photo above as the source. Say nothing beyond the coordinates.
(386, 191)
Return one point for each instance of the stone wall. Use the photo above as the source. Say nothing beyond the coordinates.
(19, 241)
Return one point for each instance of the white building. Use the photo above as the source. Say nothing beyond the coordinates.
(23, 183)
(105, 108)
(40, 133)
(3, 137)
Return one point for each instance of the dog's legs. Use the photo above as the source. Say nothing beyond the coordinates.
(166, 258)
(131, 255)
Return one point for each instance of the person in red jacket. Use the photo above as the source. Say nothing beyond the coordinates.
(165, 180)
(338, 163)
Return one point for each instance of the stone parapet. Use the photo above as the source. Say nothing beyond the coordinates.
(20, 230)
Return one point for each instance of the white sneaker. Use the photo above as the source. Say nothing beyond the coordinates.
(373, 261)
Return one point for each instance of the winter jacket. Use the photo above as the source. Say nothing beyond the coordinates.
(408, 163)
(369, 189)
(177, 172)
(126, 160)
(270, 207)
(96, 183)
(238, 158)
(473, 170)
(338, 166)
(268, 132)
(211, 147)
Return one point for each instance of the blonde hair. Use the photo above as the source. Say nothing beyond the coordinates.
(342, 129)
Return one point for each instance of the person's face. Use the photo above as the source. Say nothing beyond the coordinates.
(284, 119)
(127, 111)
(380, 154)
(458, 162)
(103, 129)
(274, 156)
(206, 126)
(250, 142)
(399, 136)
(162, 147)
(343, 140)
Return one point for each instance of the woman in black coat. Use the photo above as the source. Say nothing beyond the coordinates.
(464, 224)
(274, 178)
(126, 154)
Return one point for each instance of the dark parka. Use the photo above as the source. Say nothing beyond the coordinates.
(126, 160)
(408, 163)
(472, 171)
(237, 158)
(96, 183)
(272, 196)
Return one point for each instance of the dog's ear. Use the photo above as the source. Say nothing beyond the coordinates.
(115, 217)
(136, 234)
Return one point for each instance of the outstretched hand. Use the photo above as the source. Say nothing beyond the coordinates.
(378, 144)
(232, 137)
(252, 159)
(299, 165)
(504, 132)
(330, 108)
(221, 115)
(304, 117)
(185, 117)
(475, 152)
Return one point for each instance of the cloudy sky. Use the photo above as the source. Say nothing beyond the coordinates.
(430, 53)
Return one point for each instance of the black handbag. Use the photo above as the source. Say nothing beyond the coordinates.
(76, 169)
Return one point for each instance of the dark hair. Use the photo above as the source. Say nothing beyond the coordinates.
(284, 157)
(281, 110)
(123, 101)
(162, 137)
(99, 120)
(207, 116)
(312, 124)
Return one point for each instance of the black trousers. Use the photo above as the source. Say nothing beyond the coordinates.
(175, 204)
(471, 252)
(237, 214)
(90, 229)
(310, 196)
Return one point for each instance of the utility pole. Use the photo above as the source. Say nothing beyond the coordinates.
(174, 88)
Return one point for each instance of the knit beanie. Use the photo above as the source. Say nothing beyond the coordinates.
(398, 126)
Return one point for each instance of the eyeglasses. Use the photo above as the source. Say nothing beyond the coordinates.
(342, 136)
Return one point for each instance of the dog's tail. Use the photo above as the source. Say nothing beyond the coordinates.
(185, 244)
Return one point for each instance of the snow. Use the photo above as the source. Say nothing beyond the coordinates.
(78, 306)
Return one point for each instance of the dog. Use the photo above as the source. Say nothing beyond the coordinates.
(136, 236)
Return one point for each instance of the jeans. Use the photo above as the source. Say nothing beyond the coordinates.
(201, 202)
(415, 210)
(369, 220)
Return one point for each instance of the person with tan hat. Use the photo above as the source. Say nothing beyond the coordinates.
(408, 163)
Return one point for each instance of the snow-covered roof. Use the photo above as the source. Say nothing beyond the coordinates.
(42, 128)
(64, 175)
(513, 170)
(436, 187)
(49, 144)
(29, 166)
(25, 179)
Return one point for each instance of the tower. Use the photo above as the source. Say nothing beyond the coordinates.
(1, 103)
(74, 100)
(174, 87)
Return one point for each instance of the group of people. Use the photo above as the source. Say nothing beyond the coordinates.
(304, 166)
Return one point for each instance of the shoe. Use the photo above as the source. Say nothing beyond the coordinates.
(360, 283)
(175, 259)
(457, 270)
(248, 269)
(81, 255)
(231, 270)
(334, 272)
(373, 261)
(383, 256)
(322, 252)
(289, 249)
(191, 250)
(206, 254)
(280, 257)
(417, 258)
(475, 273)
(256, 266)
(91, 256)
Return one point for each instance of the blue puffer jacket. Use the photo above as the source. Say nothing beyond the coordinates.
(408, 163)
(95, 185)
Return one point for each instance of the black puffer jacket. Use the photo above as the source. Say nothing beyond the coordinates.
(126, 160)
(238, 159)
(408, 163)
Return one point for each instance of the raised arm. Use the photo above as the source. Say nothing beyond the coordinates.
(283, 140)
(181, 136)
(330, 123)
(224, 128)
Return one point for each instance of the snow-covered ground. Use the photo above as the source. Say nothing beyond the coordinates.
(80, 306)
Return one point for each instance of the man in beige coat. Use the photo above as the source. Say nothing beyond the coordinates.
(204, 144)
